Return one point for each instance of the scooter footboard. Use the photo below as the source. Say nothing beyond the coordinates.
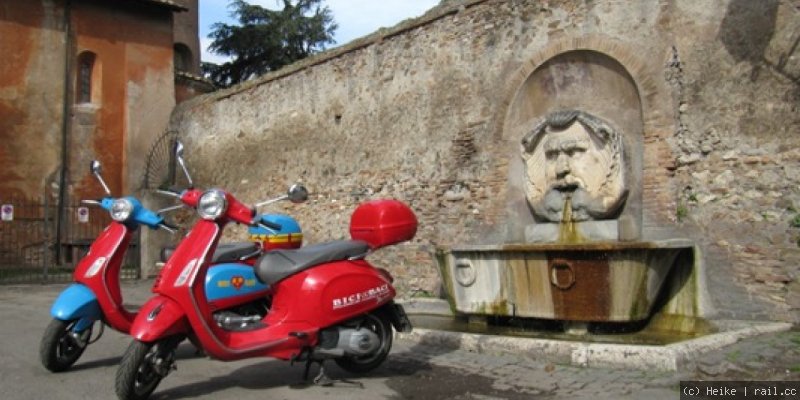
(77, 302)
(158, 318)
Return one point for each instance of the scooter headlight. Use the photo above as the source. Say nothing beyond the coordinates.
(212, 204)
(121, 210)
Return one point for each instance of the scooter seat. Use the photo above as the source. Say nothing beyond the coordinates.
(276, 265)
(227, 252)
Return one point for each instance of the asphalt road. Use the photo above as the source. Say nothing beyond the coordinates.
(25, 313)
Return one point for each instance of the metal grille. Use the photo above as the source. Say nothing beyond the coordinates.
(27, 241)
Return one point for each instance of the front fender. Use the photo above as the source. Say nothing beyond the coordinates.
(158, 318)
(77, 302)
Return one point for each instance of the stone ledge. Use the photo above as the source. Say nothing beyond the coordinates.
(671, 357)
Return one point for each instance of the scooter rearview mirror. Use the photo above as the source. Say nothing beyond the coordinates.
(297, 193)
(97, 169)
(179, 157)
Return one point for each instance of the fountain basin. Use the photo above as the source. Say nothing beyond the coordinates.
(591, 282)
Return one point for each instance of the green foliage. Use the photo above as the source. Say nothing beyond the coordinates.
(795, 339)
(422, 293)
(681, 212)
(795, 222)
(733, 356)
(266, 40)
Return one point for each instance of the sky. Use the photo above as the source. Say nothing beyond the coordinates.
(356, 18)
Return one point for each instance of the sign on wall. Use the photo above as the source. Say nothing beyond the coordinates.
(83, 215)
(7, 212)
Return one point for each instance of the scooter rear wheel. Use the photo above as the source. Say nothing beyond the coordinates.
(361, 364)
(58, 349)
(142, 368)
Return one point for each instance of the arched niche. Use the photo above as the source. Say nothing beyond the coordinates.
(594, 83)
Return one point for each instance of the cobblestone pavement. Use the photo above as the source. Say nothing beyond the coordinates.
(413, 370)
(767, 357)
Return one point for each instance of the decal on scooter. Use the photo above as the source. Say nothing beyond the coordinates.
(95, 268)
(237, 282)
(373, 293)
(154, 312)
(187, 271)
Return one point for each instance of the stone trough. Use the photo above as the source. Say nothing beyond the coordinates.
(588, 282)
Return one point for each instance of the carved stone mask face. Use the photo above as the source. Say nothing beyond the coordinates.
(572, 154)
(574, 159)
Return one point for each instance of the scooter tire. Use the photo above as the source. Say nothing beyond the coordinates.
(57, 351)
(359, 365)
(135, 379)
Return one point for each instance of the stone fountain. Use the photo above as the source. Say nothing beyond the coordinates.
(577, 251)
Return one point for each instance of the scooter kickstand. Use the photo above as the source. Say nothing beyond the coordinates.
(322, 379)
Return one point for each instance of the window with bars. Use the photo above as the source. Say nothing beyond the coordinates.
(85, 66)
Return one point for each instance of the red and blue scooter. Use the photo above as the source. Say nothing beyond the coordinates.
(95, 295)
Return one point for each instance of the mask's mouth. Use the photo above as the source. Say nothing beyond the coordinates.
(564, 186)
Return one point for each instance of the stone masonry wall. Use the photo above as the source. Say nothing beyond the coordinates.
(418, 112)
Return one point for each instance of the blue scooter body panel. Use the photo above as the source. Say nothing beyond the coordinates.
(77, 302)
(232, 280)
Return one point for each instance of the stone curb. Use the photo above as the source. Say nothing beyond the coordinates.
(671, 357)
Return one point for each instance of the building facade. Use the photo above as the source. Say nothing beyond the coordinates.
(82, 80)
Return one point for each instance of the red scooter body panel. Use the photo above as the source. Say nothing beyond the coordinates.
(302, 305)
(329, 293)
(159, 317)
(99, 270)
(192, 252)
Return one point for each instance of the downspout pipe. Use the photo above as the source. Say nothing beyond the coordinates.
(65, 127)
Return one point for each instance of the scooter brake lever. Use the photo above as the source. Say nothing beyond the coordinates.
(266, 224)
(269, 227)
(170, 208)
(167, 227)
(168, 193)
(90, 202)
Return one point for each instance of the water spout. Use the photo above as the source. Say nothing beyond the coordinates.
(566, 216)
(568, 233)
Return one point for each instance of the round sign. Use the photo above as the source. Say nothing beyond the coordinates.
(83, 214)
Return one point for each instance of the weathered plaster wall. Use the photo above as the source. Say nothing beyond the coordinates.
(132, 94)
(30, 103)
(134, 48)
(424, 112)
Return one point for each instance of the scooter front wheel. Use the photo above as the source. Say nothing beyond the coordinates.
(142, 368)
(60, 347)
(361, 364)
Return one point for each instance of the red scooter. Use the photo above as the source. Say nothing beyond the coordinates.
(326, 300)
